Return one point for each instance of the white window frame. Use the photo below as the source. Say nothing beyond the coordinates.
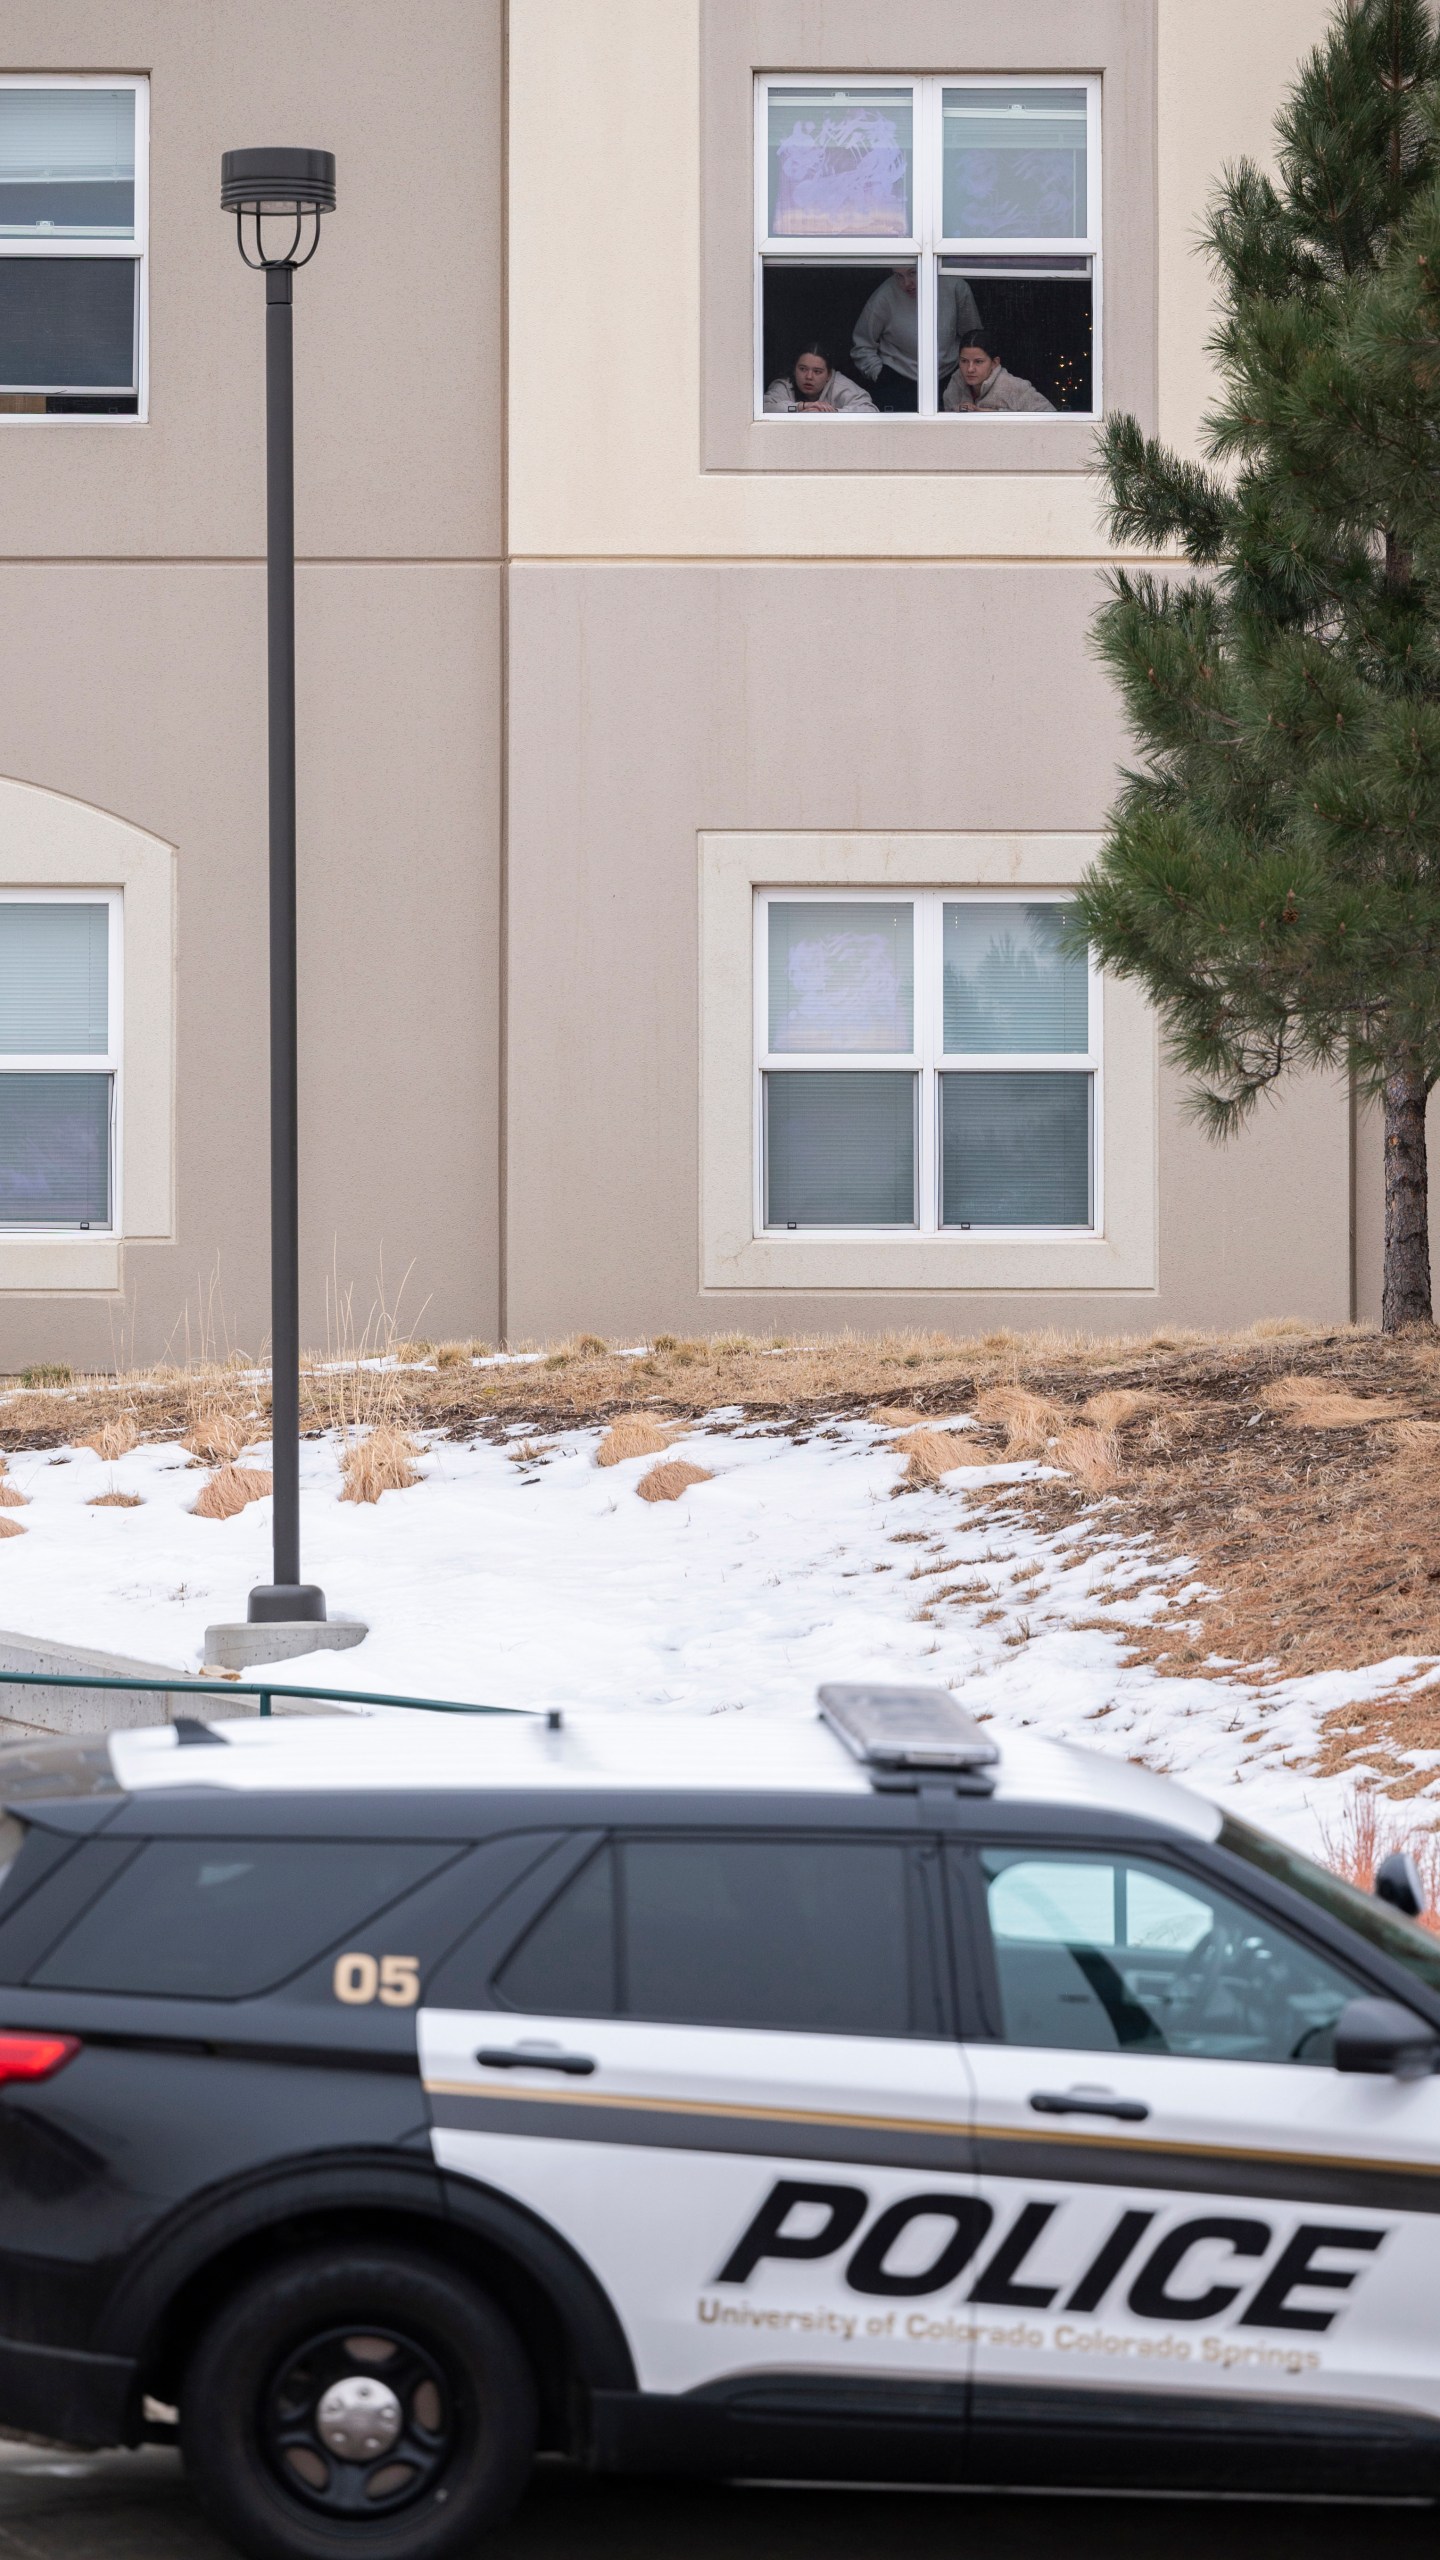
(135, 248)
(927, 1061)
(927, 246)
(52, 1062)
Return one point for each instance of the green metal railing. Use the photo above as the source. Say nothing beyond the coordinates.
(213, 1691)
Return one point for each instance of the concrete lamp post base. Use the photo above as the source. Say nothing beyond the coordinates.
(245, 1645)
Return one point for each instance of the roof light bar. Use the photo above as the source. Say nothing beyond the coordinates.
(902, 1732)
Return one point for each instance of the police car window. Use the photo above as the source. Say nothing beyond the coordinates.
(1099, 1954)
(224, 1919)
(784, 1933)
(564, 1966)
(1404, 1941)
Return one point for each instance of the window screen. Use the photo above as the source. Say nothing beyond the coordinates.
(54, 977)
(810, 1935)
(54, 1151)
(224, 1919)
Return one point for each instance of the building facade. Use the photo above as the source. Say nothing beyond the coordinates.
(689, 785)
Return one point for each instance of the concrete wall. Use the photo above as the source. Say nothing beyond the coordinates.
(132, 650)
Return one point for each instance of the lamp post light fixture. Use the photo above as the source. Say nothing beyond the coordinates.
(278, 199)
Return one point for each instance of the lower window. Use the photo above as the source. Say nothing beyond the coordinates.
(59, 1061)
(926, 1061)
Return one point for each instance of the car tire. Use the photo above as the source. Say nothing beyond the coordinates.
(358, 2401)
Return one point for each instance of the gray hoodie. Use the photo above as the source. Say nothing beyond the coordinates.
(1002, 391)
(840, 392)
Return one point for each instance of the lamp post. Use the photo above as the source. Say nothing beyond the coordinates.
(288, 191)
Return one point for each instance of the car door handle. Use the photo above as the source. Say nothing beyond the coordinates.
(529, 2057)
(1088, 2102)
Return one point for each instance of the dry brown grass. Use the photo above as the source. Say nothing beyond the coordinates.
(1115, 1406)
(1311, 1404)
(1091, 1457)
(897, 1417)
(219, 1433)
(632, 1435)
(117, 1501)
(1366, 1834)
(229, 1489)
(1029, 1420)
(932, 1454)
(383, 1462)
(667, 1482)
(115, 1438)
(10, 1495)
(11, 1528)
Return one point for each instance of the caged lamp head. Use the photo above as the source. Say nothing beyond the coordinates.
(291, 189)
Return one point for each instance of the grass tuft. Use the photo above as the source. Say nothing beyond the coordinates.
(380, 1463)
(1312, 1404)
(228, 1491)
(1031, 1421)
(48, 1373)
(11, 1528)
(667, 1482)
(116, 1438)
(116, 1501)
(932, 1454)
(631, 1435)
(1091, 1457)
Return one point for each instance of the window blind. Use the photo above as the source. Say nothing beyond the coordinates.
(67, 160)
(842, 977)
(54, 978)
(55, 1150)
(840, 1150)
(1015, 1150)
(1008, 986)
(1014, 164)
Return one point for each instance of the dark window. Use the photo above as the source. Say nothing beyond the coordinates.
(1096, 1953)
(67, 324)
(564, 1966)
(814, 1935)
(223, 1919)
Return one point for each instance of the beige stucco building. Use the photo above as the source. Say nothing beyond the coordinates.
(687, 791)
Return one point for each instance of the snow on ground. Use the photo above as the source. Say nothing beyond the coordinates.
(539, 1580)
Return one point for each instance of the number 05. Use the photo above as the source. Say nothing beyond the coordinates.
(358, 1978)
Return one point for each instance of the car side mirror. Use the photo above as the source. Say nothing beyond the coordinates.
(1398, 1881)
(1382, 2037)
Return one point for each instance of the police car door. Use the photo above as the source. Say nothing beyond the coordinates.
(1212, 2259)
(719, 2063)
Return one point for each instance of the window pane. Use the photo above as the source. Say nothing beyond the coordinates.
(565, 1966)
(840, 1150)
(804, 1934)
(67, 324)
(1035, 324)
(1009, 987)
(842, 977)
(54, 1151)
(811, 311)
(840, 163)
(1014, 164)
(67, 161)
(54, 979)
(1015, 1150)
(222, 1919)
(1096, 1954)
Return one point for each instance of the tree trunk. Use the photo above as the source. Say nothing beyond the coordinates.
(1406, 1298)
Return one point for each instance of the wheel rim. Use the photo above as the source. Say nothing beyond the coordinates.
(359, 2421)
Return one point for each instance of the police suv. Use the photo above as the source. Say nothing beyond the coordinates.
(386, 2099)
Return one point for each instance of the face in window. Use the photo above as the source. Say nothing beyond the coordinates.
(976, 367)
(811, 377)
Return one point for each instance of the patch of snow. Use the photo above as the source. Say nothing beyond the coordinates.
(545, 1582)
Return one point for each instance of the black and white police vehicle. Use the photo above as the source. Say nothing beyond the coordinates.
(387, 2099)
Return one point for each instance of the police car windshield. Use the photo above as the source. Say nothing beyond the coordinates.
(1386, 1928)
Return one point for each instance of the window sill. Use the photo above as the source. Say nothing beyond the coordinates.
(1006, 444)
(45, 1262)
(1059, 1258)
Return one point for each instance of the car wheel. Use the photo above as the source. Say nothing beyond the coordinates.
(361, 2402)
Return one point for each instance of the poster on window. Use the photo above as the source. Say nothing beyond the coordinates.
(840, 165)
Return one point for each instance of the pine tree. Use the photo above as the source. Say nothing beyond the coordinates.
(1271, 872)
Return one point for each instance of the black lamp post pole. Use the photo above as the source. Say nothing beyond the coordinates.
(284, 1065)
(289, 191)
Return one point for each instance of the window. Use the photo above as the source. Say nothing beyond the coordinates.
(809, 1935)
(926, 1062)
(1101, 1954)
(59, 1060)
(72, 245)
(224, 1919)
(899, 220)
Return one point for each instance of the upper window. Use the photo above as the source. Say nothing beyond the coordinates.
(59, 1059)
(816, 1936)
(928, 246)
(1101, 1954)
(72, 245)
(926, 1061)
